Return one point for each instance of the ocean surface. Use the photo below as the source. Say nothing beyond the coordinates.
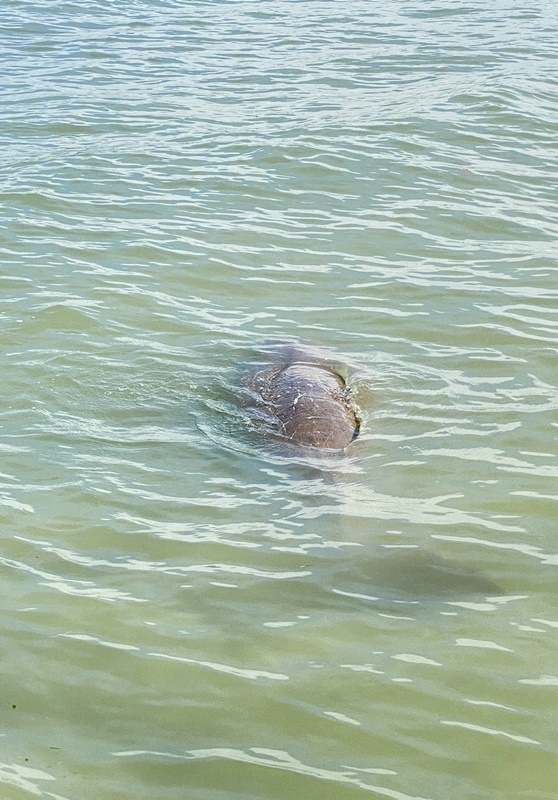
(192, 610)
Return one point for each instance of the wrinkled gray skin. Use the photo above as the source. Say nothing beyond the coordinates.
(310, 402)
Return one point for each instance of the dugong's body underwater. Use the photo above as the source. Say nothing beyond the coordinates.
(300, 394)
(307, 399)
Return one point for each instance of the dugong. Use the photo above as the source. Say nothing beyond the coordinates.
(308, 400)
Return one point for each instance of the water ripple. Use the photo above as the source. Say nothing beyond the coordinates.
(180, 192)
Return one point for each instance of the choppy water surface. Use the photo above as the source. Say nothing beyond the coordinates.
(189, 609)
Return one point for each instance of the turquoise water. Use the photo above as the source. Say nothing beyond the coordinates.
(190, 610)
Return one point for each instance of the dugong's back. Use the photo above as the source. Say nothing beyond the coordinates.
(311, 403)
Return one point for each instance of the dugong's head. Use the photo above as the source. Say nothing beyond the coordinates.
(312, 405)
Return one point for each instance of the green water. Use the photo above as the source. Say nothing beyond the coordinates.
(189, 611)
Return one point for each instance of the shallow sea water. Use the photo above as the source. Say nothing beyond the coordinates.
(191, 609)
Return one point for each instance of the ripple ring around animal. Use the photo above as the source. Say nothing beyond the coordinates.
(308, 399)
